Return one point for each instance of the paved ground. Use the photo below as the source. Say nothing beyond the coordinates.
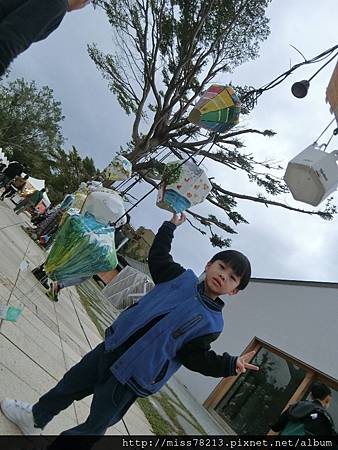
(47, 339)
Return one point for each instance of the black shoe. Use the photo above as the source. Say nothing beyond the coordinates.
(53, 291)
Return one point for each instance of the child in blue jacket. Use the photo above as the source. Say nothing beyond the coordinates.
(172, 325)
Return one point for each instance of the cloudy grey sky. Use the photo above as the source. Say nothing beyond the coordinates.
(280, 244)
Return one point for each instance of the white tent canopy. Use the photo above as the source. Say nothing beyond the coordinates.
(38, 185)
(3, 157)
(35, 182)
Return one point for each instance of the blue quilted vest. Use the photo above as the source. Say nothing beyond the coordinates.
(149, 363)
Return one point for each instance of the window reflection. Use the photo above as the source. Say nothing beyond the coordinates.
(257, 398)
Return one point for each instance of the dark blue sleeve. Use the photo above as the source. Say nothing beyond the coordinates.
(161, 265)
(25, 22)
(197, 355)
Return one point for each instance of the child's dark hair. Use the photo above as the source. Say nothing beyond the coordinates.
(239, 264)
(319, 390)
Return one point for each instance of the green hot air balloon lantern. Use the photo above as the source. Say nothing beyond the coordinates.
(82, 248)
(217, 110)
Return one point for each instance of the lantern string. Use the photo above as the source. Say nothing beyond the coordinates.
(324, 65)
(119, 186)
(331, 122)
(256, 93)
(157, 185)
(124, 182)
(335, 132)
(139, 176)
(209, 150)
(150, 169)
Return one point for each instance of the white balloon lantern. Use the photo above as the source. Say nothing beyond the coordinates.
(312, 175)
(119, 169)
(183, 186)
(106, 206)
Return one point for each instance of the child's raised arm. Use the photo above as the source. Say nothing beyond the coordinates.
(161, 264)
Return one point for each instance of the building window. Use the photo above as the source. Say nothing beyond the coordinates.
(247, 404)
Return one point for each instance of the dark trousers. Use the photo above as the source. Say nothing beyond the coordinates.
(23, 22)
(91, 375)
(4, 180)
(24, 204)
(9, 190)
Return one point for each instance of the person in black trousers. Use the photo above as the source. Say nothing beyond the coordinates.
(23, 22)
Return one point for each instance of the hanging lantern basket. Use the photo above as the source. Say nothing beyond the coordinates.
(119, 169)
(183, 186)
(312, 175)
(217, 110)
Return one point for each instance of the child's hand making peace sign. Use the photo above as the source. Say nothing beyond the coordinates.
(242, 363)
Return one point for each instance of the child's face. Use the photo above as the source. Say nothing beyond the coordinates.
(220, 279)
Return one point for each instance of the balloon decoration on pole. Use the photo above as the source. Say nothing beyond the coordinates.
(312, 175)
(183, 185)
(217, 110)
(119, 169)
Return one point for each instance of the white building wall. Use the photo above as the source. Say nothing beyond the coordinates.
(298, 318)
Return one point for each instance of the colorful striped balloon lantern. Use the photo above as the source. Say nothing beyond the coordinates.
(217, 110)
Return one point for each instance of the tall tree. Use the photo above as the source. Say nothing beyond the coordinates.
(30, 132)
(30, 125)
(69, 170)
(166, 52)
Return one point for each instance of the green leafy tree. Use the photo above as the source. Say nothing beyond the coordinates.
(69, 170)
(30, 125)
(30, 132)
(165, 53)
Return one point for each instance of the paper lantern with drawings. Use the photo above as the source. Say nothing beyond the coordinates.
(106, 205)
(119, 169)
(182, 186)
(217, 110)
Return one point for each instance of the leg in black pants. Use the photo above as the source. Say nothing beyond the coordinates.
(23, 22)
(91, 375)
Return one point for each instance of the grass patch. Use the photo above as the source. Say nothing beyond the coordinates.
(158, 424)
(87, 306)
(193, 420)
(171, 412)
(161, 426)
